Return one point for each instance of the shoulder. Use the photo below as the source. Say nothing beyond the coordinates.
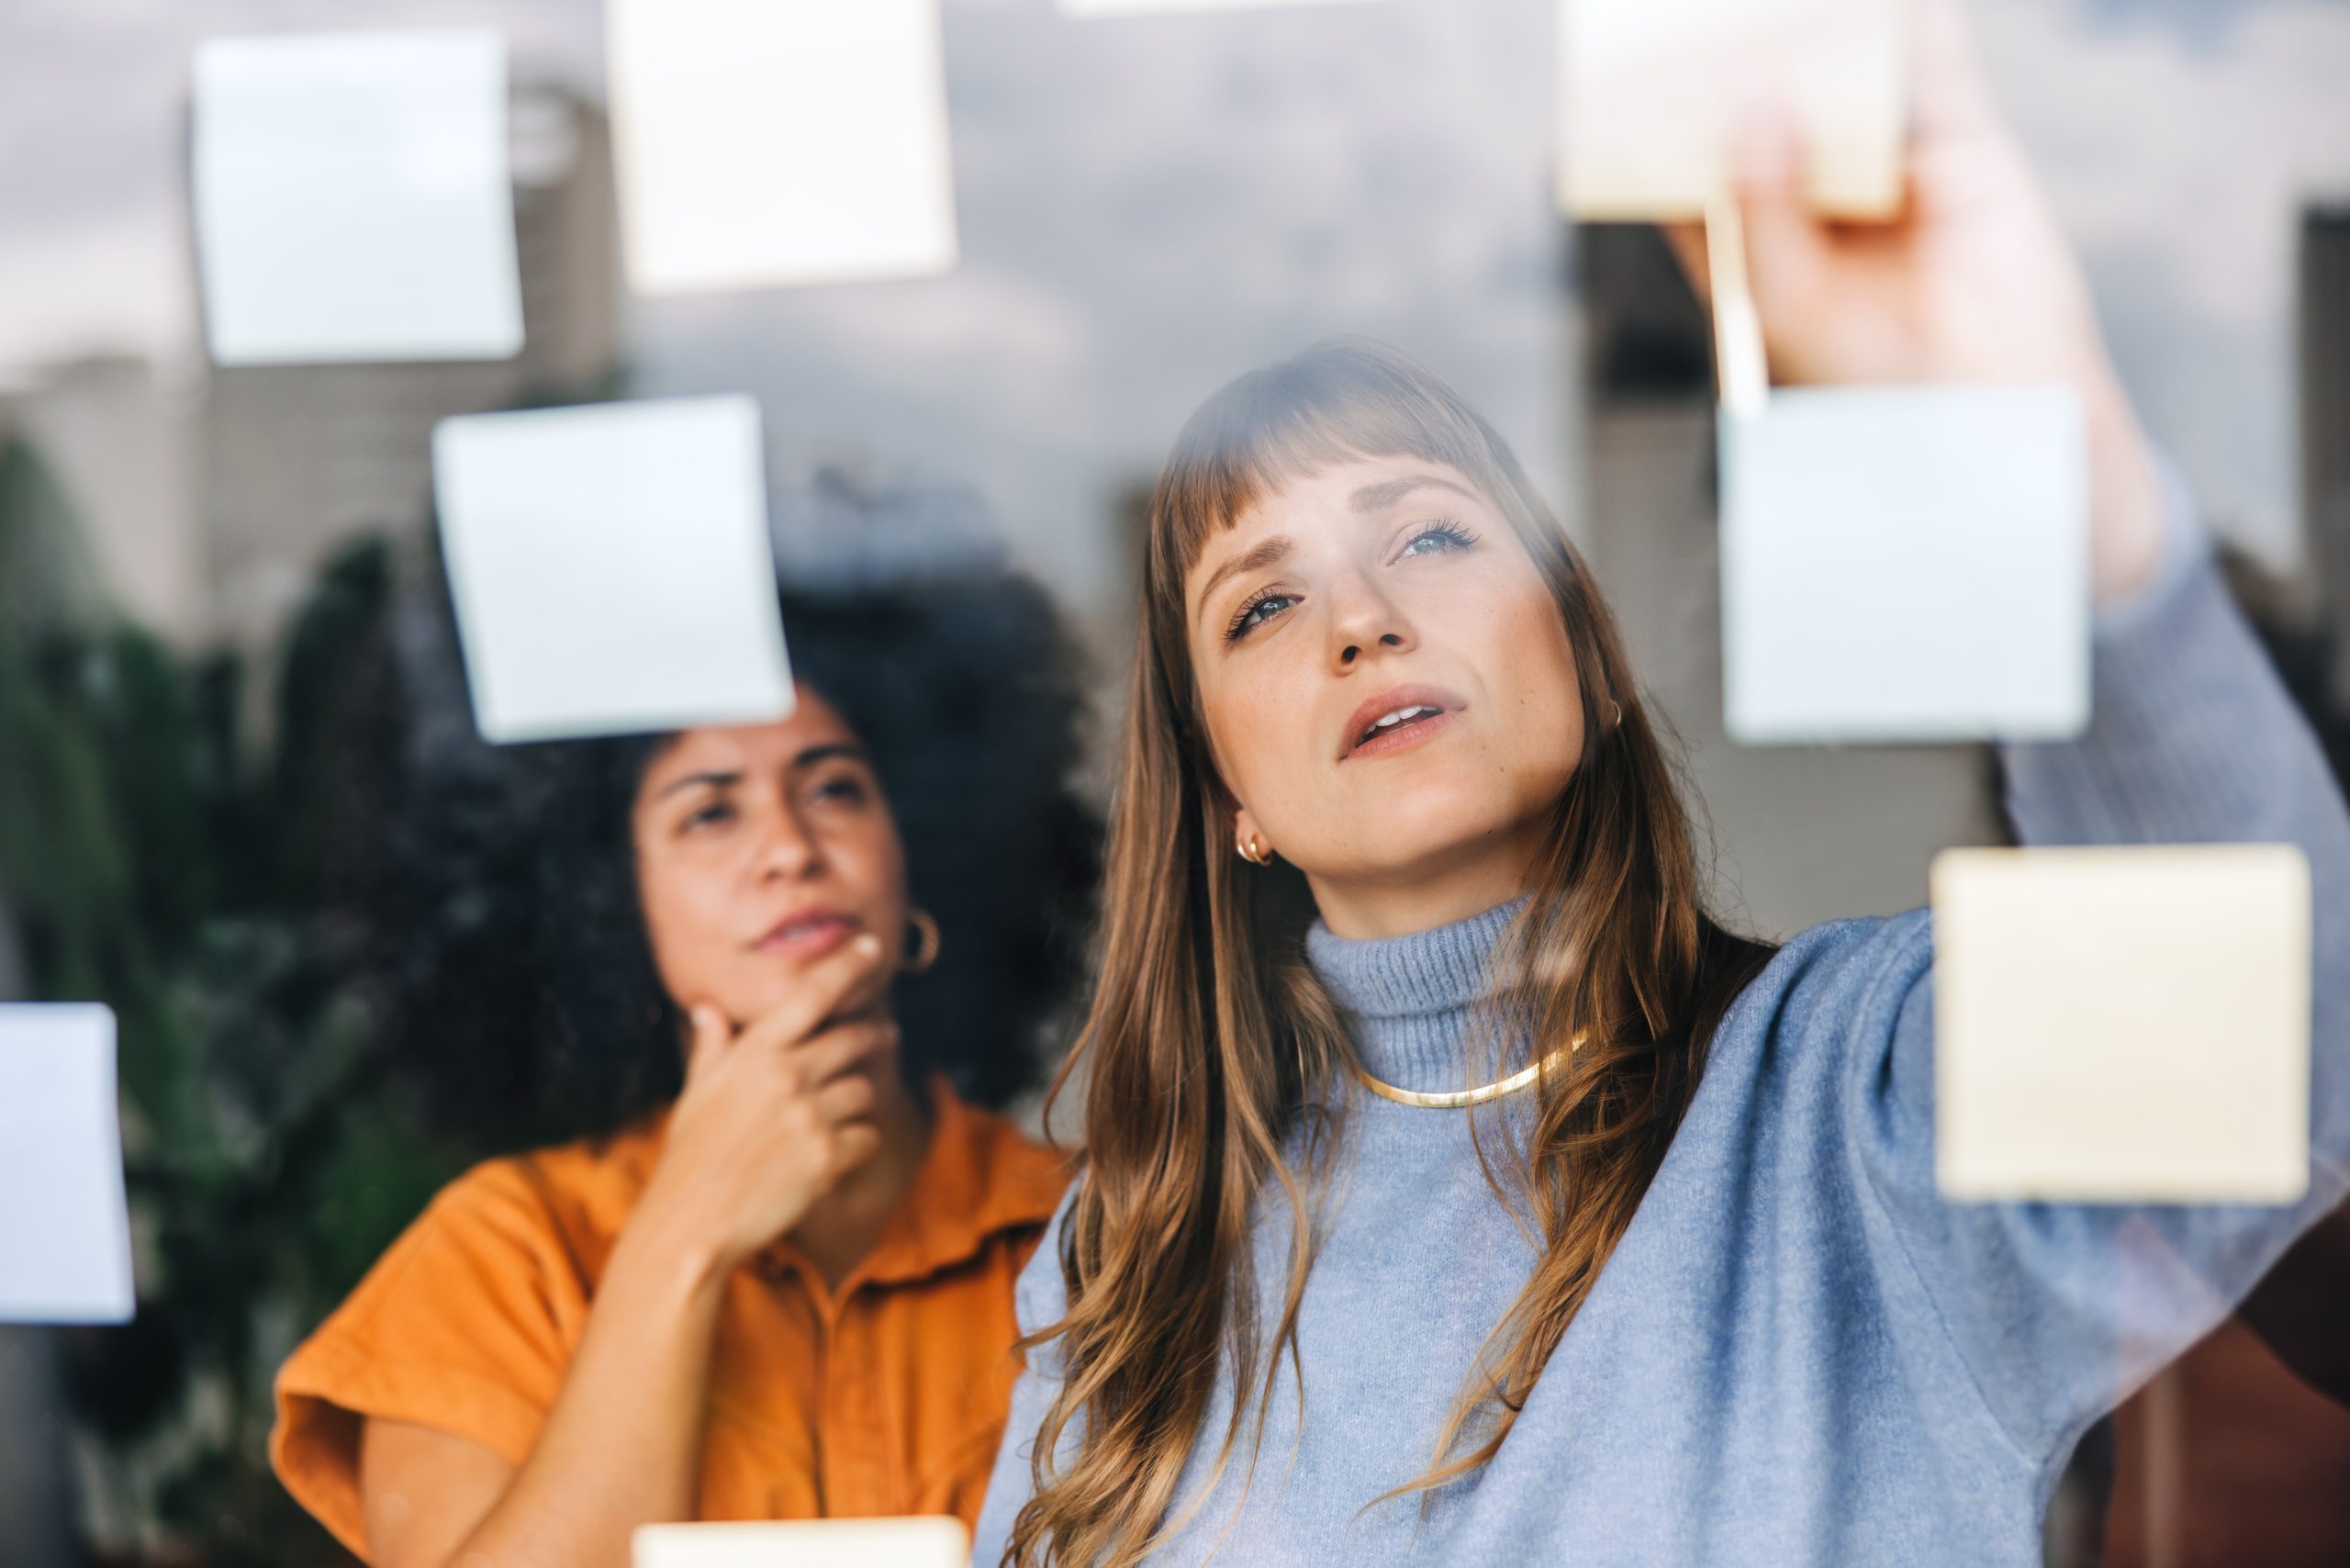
(984, 1174)
(540, 1223)
(492, 1280)
(1833, 975)
(1023, 1177)
(1041, 1297)
(575, 1197)
(466, 1325)
(504, 1197)
(983, 1191)
(1828, 1005)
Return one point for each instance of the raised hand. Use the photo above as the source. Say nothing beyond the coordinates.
(1973, 281)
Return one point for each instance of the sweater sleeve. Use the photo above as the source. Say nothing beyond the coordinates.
(1038, 1299)
(2059, 1311)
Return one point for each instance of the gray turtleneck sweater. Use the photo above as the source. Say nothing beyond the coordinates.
(1800, 1354)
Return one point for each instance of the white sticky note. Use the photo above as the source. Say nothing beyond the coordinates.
(917, 1543)
(611, 568)
(2125, 1024)
(1650, 91)
(64, 1227)
(352, 200)
(762, 142)
(1906, 564)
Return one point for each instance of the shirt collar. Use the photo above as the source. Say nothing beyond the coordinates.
(980, 1178)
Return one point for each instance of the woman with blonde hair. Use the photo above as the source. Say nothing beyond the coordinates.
(1456, 1189)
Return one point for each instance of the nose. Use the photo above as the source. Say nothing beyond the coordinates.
(789, 851)
(1364, 619)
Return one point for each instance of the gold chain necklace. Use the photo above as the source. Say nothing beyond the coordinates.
(1461, 1099)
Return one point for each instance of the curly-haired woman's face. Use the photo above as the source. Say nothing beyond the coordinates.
(1389, 689)
(759, 849)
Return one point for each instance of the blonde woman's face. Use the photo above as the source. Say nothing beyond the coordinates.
(1388, 690)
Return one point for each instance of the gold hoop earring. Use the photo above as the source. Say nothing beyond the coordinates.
(1252, 849)
(925, 951)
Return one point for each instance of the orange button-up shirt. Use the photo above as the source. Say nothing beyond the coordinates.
(885, 1397)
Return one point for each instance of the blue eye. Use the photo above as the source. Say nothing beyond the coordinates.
(1438, 536)
(1260, 609)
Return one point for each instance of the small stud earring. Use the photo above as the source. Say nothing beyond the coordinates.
(1252, 849)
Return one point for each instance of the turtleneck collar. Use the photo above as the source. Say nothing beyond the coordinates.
(1407, 999)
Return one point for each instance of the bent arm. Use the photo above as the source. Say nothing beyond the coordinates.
(2059, 1310)
(2196, 740)
(620, 1448)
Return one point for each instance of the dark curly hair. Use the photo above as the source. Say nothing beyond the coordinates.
(507, 969)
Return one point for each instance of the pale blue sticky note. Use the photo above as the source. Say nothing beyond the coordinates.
(759, 143)
(611, 568)
(1906, 564)
(352, 200)
(64, 1225)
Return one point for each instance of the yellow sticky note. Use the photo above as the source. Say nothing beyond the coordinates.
(1649, 92)
(920, 1542)
(2122, 1024)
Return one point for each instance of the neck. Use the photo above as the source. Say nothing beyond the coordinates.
(842, 1226)
(1411, 1003)
(1437, 891)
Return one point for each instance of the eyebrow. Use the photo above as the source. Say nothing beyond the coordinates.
(726, 779)
(1272, 551)
(1387, 492)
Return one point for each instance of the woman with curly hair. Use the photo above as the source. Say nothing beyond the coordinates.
(750, 991)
